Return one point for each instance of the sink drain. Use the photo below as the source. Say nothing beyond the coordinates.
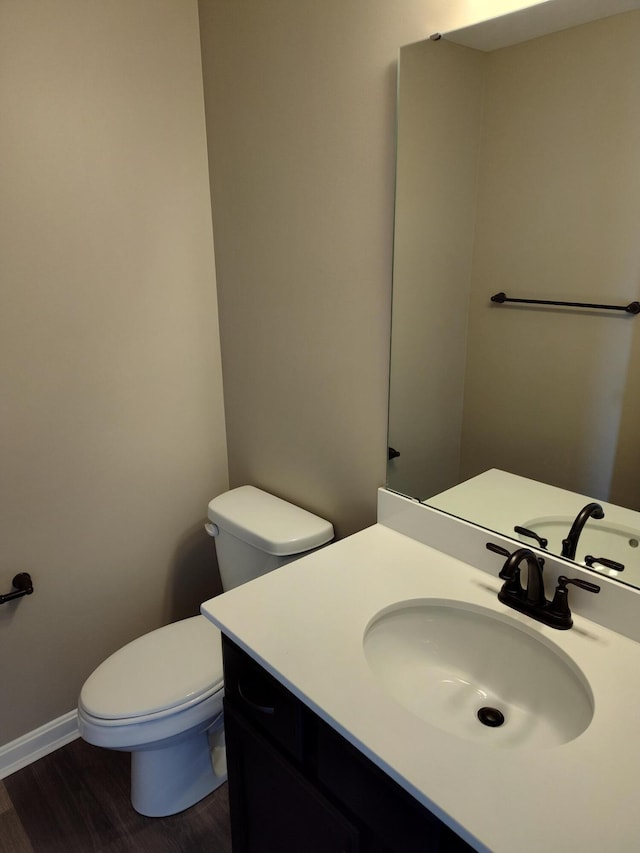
(491, 717)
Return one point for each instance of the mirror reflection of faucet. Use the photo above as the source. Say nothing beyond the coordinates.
(570, 544)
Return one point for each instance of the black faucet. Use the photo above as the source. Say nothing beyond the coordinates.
(512, 592)
(532, 600)
(570, 544)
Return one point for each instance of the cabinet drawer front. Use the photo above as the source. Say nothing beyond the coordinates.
(262, 699)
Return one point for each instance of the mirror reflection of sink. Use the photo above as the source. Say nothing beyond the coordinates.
(598, 538)
(446, 661)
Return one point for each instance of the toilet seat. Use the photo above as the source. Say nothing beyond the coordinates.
(140, 733)
(157, 675)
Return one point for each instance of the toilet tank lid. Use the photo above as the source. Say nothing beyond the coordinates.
(269, 523)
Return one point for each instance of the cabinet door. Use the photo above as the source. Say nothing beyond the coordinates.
(274, 809)
(397, 821)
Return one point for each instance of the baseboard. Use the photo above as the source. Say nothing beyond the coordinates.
(36, 744)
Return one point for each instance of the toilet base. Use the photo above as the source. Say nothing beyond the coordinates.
(173, 778)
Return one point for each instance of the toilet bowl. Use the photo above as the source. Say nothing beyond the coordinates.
(160, 696)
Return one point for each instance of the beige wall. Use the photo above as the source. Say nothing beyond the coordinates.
(558, 213)
(112, 429)
(300, 101)
(113, 439)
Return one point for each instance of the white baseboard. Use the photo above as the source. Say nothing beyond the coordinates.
(36, 744)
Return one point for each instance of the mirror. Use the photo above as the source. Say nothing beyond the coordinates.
(517, 172)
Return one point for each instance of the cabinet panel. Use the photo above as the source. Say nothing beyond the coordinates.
(273, 807)
(262, 699)
(398, 821)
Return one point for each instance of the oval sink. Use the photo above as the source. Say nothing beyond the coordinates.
(475, 674)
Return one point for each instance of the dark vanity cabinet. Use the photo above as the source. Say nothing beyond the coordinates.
(296, 786)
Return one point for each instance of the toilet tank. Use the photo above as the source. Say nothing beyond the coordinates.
(257, 532)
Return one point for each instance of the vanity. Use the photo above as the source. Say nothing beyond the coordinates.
(335, 743)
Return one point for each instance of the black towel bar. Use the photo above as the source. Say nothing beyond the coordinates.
(23, 586)
(631, 308)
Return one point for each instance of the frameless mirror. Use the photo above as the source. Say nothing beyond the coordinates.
(518, 173)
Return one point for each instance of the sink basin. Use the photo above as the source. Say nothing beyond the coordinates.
(600, 538)
(462, 668)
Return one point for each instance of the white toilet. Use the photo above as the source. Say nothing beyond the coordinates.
(160, 697)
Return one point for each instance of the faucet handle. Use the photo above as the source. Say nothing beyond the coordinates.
(590, 587)
(497, 549)
(524, 531)
(559, 607)
(509, 574)
(603, 561)
(504, 572)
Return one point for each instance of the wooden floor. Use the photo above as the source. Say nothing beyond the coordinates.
(76, 800)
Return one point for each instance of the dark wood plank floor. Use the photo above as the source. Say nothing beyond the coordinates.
(76, 800)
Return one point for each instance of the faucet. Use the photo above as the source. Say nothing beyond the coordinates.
(532, 600)
(533, 597)
(570, 544)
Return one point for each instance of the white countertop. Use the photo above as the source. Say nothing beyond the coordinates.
(305, 624)
(498, 500)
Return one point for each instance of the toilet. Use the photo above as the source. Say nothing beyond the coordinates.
(160, 696)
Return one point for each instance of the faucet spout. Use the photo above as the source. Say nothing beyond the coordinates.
(534, 595)
(570, 544)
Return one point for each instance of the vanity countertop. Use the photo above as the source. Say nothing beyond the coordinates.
(305, 624)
